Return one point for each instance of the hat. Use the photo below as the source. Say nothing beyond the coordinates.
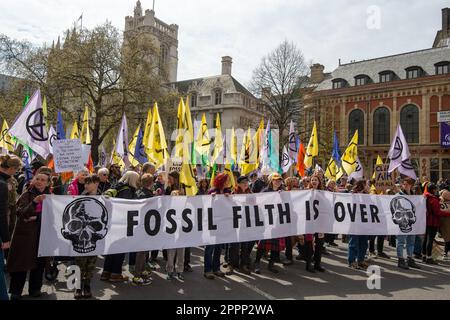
(242, 179)
(275, 176)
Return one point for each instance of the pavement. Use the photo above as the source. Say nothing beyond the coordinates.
(292, 283)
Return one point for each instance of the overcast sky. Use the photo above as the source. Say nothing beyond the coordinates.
(247, 29)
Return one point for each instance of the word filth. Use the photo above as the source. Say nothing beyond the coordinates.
(249, 213)
(153, 221)
(197, 311)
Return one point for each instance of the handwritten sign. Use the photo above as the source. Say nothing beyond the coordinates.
(383, 179)
(68, 156)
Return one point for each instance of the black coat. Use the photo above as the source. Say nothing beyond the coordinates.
(144, 193)
(25, 240)
(4, 230)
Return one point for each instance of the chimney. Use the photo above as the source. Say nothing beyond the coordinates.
(317, 75)
(446, 22)
(227, 63)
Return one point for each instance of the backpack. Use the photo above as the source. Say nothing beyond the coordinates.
(114, 192)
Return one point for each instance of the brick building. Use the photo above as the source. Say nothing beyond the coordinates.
(375, 95)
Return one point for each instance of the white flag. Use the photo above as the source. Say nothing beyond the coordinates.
(102, 161)
(52, 137)
(358, 174)
(265, 152)
(399, 155)
(286, 160)
(293, 147)
(30, 127)
(122, 141)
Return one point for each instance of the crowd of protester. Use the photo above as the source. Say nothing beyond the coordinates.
(21, 208)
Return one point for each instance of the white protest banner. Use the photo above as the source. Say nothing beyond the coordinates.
(77, 226)
(68, 155)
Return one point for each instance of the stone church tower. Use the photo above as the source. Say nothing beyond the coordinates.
(164, 37)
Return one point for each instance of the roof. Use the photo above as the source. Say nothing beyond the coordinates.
(186, 85)
(426, 59)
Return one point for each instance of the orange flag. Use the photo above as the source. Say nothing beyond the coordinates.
(90, 164)
(300, 160)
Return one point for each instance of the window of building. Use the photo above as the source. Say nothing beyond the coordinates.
(409, 120)
(194, 100)
(356, 122)
(414, 72)
(434, 170)
(362, 80)
(442, 67)
(386, 76)
(446, 169)
(218, 97)
(339, 83)
(381, 126)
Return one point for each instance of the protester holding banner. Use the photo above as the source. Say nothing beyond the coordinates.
(240, 252)
(406, 240)
(329, 238)
(87, 264)
(357, 244)
(23, 255)
(212, 253)
(175, 257)
(314, 242)
(275, 246)
(9, 165)
(142, 277)
(434, 215)
(203, 187)
(290, 183)
(114, 174)
(125, 189)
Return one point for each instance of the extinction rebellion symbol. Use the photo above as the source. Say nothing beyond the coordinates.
(36, 126)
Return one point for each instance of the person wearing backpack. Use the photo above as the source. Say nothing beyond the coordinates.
(142, 277)
(125, 189)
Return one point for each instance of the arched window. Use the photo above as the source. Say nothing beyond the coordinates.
(339, 83)
(362, 79)
(217, 97)
(356, 122)
(409, 120)
(414, 72)
(381, 126)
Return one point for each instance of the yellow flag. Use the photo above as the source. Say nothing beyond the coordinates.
(379, 163)
(230, 174)
(45, 112)
(203, 142)
(330, 173)
(148, 126)
(116, 158)
(132, 148)
(75, 133)
(180, 128)
(85, 134)
(187, 178)
(218, 142)
(188, 122)
(313, 148)
(257, 142)
(6, 142)
(233, 147)
(157, 152)
(350, 157)
(248, 160)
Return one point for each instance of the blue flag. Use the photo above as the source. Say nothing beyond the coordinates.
(139, 152)
(60, 133)
(336, 151)
(26, 157)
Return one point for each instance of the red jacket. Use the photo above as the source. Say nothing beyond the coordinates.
(434, 212)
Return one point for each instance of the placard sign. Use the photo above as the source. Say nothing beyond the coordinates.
(68, 156)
